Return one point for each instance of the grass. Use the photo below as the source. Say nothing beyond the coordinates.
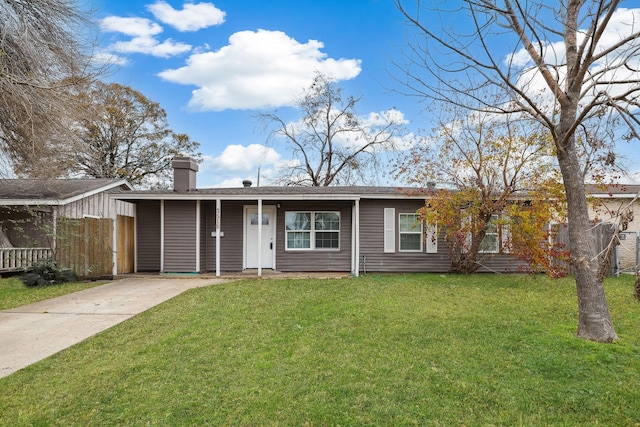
(14, 293)
(376, 350)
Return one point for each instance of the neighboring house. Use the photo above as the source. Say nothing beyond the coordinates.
(605, 205)
(288, 229)
(40, 219)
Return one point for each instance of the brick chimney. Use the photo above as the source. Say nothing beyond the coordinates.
(184, 173)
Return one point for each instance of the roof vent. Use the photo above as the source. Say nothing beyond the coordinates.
(247, 183)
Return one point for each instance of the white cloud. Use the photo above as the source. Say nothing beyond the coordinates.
(143, 32)
(151, 46)
(237, 163)
(238, 158)
(229, 183)
(110, 59)
(193, 16)
(257, 69)
(603, 74)
(136, 27)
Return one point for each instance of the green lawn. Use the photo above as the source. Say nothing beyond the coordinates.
(376, 350)
(13, 293)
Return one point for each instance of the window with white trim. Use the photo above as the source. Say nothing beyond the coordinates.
(491, 242)
(410, 229)
(312, 230)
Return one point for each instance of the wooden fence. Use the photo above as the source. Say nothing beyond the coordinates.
(85, 246)
(602, 234)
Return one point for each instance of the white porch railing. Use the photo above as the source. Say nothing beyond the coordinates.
(21, 258)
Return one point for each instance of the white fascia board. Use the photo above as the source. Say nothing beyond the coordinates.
(269, 197)
(264, 197)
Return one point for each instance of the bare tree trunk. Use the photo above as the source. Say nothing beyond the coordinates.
(594, 318)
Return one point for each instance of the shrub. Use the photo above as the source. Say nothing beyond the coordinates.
(47, 272)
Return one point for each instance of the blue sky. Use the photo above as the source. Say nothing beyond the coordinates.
(214, 65)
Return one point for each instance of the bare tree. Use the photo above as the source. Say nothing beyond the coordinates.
(564, 64)
(45, 51)
(125, 135)
(331, 143)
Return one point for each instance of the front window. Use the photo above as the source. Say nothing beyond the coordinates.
(491, 241)
(410, 232)
(312, 230)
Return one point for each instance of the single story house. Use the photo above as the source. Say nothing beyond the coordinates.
(288, 229)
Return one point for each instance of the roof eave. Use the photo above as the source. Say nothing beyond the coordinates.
(66, 201)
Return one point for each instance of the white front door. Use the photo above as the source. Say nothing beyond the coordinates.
(266, 256)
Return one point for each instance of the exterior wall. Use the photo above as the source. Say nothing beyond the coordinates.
(314, 260)
(180, 236)
(148, 235)
(231, 244)
(98, 206)
(372, 255)
(374, 259)
(180, 239)
(501, 263)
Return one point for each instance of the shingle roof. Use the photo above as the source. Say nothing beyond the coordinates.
(296, 190)
(53, 189)
(284, 192)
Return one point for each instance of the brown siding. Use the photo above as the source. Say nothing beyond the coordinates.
(148, 235)
(179, 236)
(231, 243)
(373, 258)
(318, 260)
(501, 263)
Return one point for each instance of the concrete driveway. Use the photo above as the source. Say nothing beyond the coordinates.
(35, 331)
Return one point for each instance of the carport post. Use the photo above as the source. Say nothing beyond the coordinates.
(259, 237)
(217, 237)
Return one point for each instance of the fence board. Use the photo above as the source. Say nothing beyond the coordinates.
(126, 244)
(602, 234)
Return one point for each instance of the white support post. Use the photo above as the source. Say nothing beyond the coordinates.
(198, 225)
(356, 227)
(259, 237)
(161, 236)
(218, 237)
